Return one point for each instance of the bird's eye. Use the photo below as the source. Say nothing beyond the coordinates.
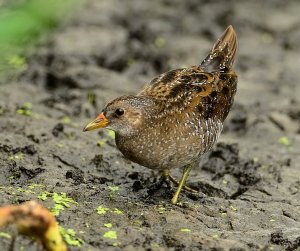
(119, 111)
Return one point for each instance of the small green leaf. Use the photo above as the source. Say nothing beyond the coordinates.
(5, 235)
(66, 120)
(110, 235)
(102, 210)
(27, 105)
(185, 230)
(284, 141)
(69, 236)
(2, 110)
(61, 201)
(55, 210)
(161, 209)
(111, 134)
(16, 61)
(117, 211)
(233, 208)
(113, 188)
(34, 185)
(159, 42)
(108, 225)
(60, 145)
(91, 97)
(43, 196)
(215, 236)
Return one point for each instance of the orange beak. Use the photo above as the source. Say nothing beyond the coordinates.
(99, 122)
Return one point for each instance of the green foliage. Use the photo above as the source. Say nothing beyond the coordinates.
(5, 235)
(185, 230)
(113, 188)
(61, 201)
(102, 210)
(17, 61)
(161, 209)
(117, 211)
(159, 42)
(66, 120)
(2, 110)
(113, 192)
(70, 238)
(110, 235)
(17, 156)
(284, 141)
(23, 22)
(111, 134)
(26, 109)
(34, 185)
(92, 98)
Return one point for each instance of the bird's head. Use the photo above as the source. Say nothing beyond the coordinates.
(124, 115)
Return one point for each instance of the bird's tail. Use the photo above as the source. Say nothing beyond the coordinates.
(223, 52)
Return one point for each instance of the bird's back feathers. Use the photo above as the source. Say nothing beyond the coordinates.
(207, 89)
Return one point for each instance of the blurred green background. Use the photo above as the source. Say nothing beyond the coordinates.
(22, 24)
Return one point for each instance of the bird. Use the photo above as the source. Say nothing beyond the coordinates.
(178, 116)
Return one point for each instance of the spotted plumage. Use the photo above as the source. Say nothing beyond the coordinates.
(178, 116)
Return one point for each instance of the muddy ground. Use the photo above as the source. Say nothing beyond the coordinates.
(251, 179)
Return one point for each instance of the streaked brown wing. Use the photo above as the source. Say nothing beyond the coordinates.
(177, 84)
(192, 89)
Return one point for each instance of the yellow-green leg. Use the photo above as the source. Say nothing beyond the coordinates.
(181, 184)
(168, 177)
(166, 174)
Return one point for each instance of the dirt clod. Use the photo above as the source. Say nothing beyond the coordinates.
(59, 128)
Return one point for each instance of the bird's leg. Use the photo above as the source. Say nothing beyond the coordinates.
(166, 174)
(181, 184)
(168, 177)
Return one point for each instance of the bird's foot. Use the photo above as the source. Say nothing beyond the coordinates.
(180, 184)
(169, 180)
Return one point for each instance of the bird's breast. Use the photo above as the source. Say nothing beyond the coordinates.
(169, 145)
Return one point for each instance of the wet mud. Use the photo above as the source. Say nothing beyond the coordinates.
(249, 183)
